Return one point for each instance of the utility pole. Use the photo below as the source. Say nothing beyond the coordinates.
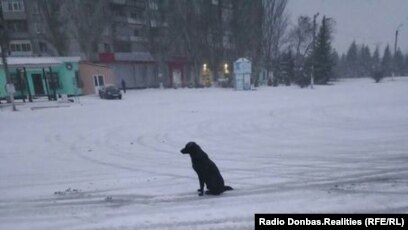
(4, 48)
(396, 41)
(313, 53)
(395, 50)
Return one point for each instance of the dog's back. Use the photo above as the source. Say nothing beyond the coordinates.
(209, 170)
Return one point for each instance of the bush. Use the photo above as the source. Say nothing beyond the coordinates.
(377, 75)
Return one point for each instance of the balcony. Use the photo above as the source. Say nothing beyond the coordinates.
(130, 38)
(18, 35)
(21, 53)
(136, 21)
(19, 15)
(137, 39)
(140, 4)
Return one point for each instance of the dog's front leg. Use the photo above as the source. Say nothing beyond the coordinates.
(201, 189)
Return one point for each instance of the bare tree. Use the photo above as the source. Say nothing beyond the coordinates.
(274, 26)
(52, 12)
(89, 19)
(301, 35)
(159, 32)
(187, 21)
(247, 28)
(213, 25)
(301, 39)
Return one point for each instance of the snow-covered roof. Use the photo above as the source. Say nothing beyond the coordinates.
(39, 61)
(243, 60)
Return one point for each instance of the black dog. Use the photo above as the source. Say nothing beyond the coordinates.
(206, 170)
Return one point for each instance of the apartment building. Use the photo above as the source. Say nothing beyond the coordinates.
(24, 27)
(127, 33)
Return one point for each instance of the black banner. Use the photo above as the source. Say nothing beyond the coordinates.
(330, 221)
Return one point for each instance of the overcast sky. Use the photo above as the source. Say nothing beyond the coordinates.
(372, 22)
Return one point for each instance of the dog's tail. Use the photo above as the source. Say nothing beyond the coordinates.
(226, 188)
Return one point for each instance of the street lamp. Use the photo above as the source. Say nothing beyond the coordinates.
(226, 71)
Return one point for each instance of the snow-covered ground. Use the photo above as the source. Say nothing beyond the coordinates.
(116, 164)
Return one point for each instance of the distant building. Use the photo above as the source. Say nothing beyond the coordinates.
(137, 69)
(93, 76)
(42, 76)
(123, 46)
(21, 35)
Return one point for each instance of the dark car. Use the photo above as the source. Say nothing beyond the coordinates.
(110, 92)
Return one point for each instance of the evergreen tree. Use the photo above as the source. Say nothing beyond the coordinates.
(337, 64)
(398, 63)
(375, 61)
(287, 68)
(377, 72)
(341, 67)
(365, 60)
(351, 60)
(323, 63)
(386, 62)
(406, 65)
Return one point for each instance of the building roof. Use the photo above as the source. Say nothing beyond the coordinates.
(38, 61)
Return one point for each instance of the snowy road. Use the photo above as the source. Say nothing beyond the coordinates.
(116, 164)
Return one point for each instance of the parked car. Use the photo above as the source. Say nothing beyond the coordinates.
(110, 92)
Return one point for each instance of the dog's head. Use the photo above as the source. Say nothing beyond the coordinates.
(190, 147)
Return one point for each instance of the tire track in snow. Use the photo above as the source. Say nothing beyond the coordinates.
(91, 200)
(82, 147)
(325, 185)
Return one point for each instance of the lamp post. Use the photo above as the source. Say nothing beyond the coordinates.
(314, 46)
(396, 38)
(395, 47)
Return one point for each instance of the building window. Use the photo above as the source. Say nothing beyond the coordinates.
(98, 80)
(35, 8)
(136, 33)
(25, 47)
(13, 5)
(38, 28)
(153, 23)
(43, 47)
(122, 46)
(137, 3)
(107, 47)
(17, 26)
(101, 81)
(53, 81)
(119, 12)
(154, 31)
(15, 47)
(153, 5)
(138, 15)
(20, 46)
